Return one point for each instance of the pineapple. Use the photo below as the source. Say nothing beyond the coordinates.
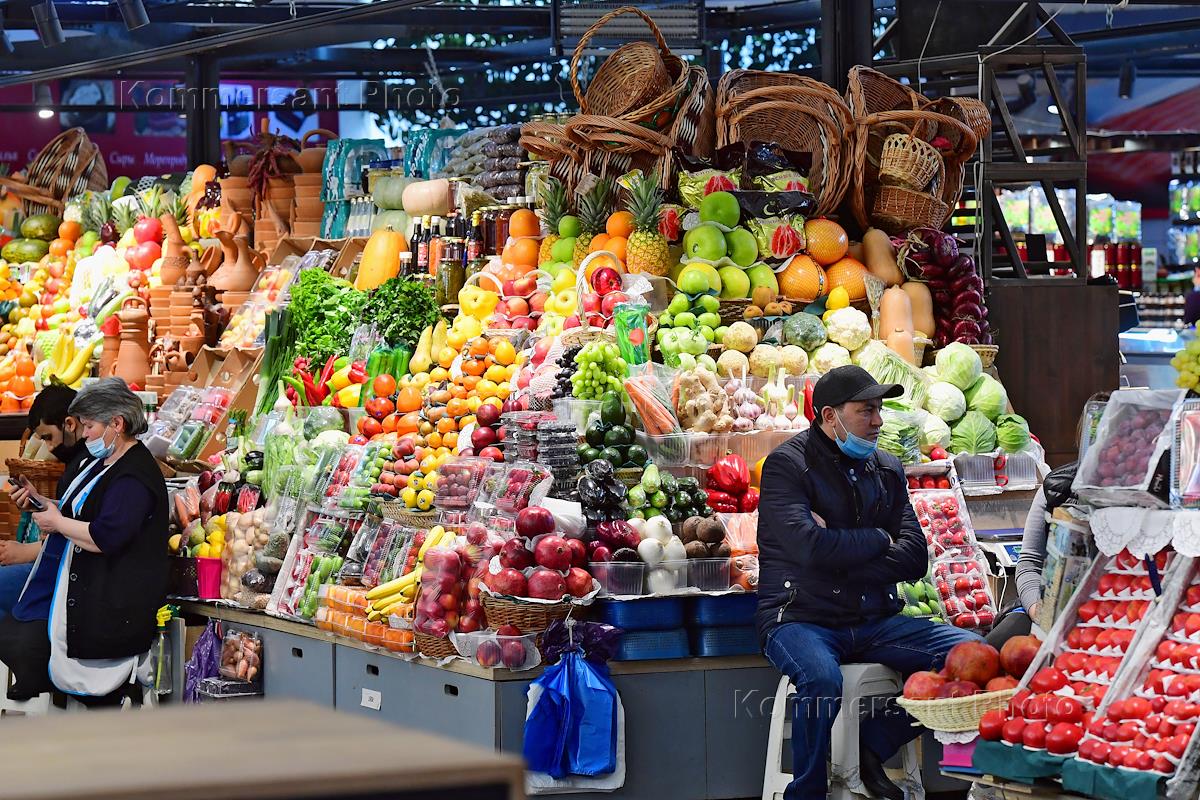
(648, 250)
(99, 217)
(125, 217)
(593, 213)
(180, 211)
(555, 202)
(150, 202)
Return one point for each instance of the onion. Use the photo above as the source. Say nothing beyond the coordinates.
(970, 311)
(933, 272)
(942, 339)
(966, 327)
(943, 299)
(968, 296)
(963, 265)
(967, 282)
(967, 340)
(945, 250)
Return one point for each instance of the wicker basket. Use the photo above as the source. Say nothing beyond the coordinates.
(733, 310)
(433, 647)
(527, 617)
(871, 92)
(578, 337)
(956, 714)
(908, 162)
(987, 354)
(43, 474)
(68, 165)
(898, 210)
(398, 512)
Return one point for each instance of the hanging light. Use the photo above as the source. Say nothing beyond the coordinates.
(134, 13)
(45, 19)
(43, 100)
(1125, 80)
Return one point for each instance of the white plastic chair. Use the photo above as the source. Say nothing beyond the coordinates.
(859, 682)
(33, 706)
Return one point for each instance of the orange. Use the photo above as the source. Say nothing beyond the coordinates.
(473, 366)
(826, 240)
(70, 230)
(433, 440)
(25, 367)
(457, 407)
(9, 404)
(521, 253)
(524, 222)
(60, 247)
(471, 381)
(446, 357)
(620, 224)
(447, 424)
(803, 280)
(438, 374)
(617, 246)
(22, 386)
(479, 346)
(848, 274)
(598, 242)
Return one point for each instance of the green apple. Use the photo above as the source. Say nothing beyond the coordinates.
(720, 207)
(734, 283)
(720, 332)
(563, 249)
(705, 241)
(709, 319)
(196, 538)
(742, 246)
(119, 185)
(708, 271)
(568, 227)
(762, 275)
(692, 282)
(685, 320)
(679, 303)
(708, 304)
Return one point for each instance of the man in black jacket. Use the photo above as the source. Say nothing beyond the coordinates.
(835, 534)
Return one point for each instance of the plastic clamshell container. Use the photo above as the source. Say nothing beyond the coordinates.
(510, 652)
(619, 578)
(723, 610)
(683, 449)
(708, 574)
(646, 614)
(741, 640)
(648, 645)
(571, 409)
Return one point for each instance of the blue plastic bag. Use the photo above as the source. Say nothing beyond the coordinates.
(572, 730)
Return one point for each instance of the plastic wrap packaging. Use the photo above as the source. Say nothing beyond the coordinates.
(205, 661)
(247, 535)
(1185, 456)
(241, 656)
(1127, 463)
(489, 650)
(359, 550)
(442, 593)
(598, 642)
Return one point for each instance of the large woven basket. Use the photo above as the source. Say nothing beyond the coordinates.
(433, 647)
(869, 92)
(68, 165)
(43, 474)
(897, 210)
(527, 617)
(956, 714)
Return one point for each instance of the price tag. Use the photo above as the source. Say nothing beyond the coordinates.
(371, 699)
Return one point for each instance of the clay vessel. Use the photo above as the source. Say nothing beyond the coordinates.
(238, 272)
(312, 159)
(133, 356)
(176, 254)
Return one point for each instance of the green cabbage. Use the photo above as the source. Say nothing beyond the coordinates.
(987, 396)
(1012, 432)
(973, 434)
(934, 433)
(958, 364)
(946, 401)
(322, 418)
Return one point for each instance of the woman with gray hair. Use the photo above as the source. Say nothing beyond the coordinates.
(102, 572)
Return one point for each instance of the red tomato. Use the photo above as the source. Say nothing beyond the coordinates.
(1048, 679)
(1013, 730)
(1064, 738)
(384, 385)
(1064, 709)
(991, 725)
(1034, 736)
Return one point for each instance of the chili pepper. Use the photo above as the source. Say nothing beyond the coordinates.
(809, 412)
(721, 501)
(312, 393)
(295, 384)
(749, 501)
(327, 372)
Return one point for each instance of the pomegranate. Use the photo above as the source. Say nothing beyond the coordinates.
(976, 662)
(534, 521)
(515, 554)
(579, 582)
(958, 689)
(508, 581)
(923, 685)
(1018, 653)
(552, 552)
(546, 584)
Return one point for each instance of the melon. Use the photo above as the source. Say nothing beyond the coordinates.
(848, 274)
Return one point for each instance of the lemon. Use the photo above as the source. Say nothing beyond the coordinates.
(417, 481)
(174, 542)
(203, 551)
(838, 298)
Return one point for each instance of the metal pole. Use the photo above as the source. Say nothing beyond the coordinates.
(846, 38)
(201, 100)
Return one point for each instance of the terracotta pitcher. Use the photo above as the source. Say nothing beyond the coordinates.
(133, 356)
(312, 159)
(238, 272)
(175, 255)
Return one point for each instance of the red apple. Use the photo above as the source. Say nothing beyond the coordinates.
(513, 653)
(493, 453)
(605, 280)
(487, 415)
(516, 306)
(488, 654)
(537, 302)
(609, 304)
(524, 286)
(590, 303)
(508, 630)
(483, 437)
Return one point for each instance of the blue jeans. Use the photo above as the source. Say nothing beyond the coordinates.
(12, 581)
(811, 656)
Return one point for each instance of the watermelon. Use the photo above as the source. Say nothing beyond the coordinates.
(40, 226)
(19, 251)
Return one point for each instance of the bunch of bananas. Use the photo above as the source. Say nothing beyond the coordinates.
(68, 363)
(388, 597)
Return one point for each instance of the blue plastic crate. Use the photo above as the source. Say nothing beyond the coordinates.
(740, 640)
(723, 610)
(649, 614)
(648, 645)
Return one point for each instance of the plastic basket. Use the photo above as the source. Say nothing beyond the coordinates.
(648, 614)
(647, 645)
(570, 409)
(975, 471)
(620, 579)
(708, 574)
(1021, 470)
(723, 610)
(208, 578)
(956, 714)
(741, 640)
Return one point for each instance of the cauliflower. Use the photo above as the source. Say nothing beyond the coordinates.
(793, 359)
(828, 356)
(733, 364)
(762, 359)
(741, 336)
(848, 327)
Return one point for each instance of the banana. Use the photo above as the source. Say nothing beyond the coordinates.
(74, 371)
(435, 533)
(56, 352)
(68, 353)
(394, 586)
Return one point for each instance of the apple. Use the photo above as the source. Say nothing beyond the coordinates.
(605, 280)
(483, 436)
(552, 552)
(535, 521)
(590, 301)
(546, 584)
(487, 415)
(524, 286)
(492, 453)
(609, 304)
(513, 653)
(537, 302)
(572, 322)
(578, 581)
(488, 654)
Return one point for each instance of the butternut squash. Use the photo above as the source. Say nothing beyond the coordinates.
(428, 198)
(880, 257)
(380, 259)
(900, 342)
(895, 312)
(921, 302)
(855, 251)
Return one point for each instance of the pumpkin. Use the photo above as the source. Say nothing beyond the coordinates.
(880, 258)
(428, 198)
(922, 308)
(848, 274)
(380, 259)
(895, 312)
(396, 220)
(388, 191)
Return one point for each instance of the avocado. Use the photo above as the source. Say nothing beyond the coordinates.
(594, 435)
(613, 456)
(618, 436)
(637, 455)
(612, 411)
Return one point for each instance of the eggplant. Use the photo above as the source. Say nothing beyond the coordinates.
(626, 555)
(600, 469)
(591, 492)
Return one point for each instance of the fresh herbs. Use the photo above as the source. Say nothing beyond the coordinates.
(401, 309)
(325, 313)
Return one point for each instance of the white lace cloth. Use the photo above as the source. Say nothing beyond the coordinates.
(1187, 533)
(945, 737)
(1115, 528)
(1145, 531)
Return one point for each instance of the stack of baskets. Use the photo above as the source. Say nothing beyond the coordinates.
(908, 154)
(797, 113)
(642, 104)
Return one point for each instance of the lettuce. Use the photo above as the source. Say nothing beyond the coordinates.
(1012, 432)
(987, 396)
(958, 364)
(973, 434)
(946, 401)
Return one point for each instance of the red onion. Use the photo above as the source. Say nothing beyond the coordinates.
(962, 265)
(967, 283)
(968, 311)
(966, 327)
(969, 296)
(943, 299)
(932, 272)
(945, 250)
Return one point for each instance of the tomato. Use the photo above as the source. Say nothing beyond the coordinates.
(384, 385)
(1116, 756)
(1136, 708)
(1063, 710)
(379, 407)
(991, 725)
(1013, 730)
(943, 483)
(928, 482)
(143, 256)
(1064, 738)
(1048, 679)
(1100, 752)
(914, 483)
(1033, 736)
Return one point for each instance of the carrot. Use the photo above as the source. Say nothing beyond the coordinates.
(657, 417)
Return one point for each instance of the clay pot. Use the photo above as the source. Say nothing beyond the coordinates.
(190, 345)
(312, 159)
(240, 268)
(234, 300)
(108, 355)
(308, 181)
(133, 355)
(175, 255)
(237, 158)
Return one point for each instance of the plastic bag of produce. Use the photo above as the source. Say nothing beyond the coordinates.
(205, 661)
(443, 590)
(901, 434)
(1128, 462)
(241, 656)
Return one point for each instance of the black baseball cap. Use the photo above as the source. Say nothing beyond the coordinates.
(850, 383)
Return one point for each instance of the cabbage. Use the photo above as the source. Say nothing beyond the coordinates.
(931, 371)
(934, 433)
(321, 418)
(946, 401)
(987, 396)
(973, 434)
(1012, 432)
(958, 364)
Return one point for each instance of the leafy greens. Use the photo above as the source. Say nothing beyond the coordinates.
(401, 309)
(325, 313)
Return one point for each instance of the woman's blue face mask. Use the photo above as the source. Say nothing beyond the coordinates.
(98, 448)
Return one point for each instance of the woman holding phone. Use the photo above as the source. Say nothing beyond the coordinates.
(101, 574)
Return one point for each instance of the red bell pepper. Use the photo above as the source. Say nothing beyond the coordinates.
(729, 473)
(809, 413)
(358, 372)
(721, 501)
(749, 501)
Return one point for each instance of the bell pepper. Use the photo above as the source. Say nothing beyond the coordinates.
(749, 501)
(347, 396)
(729, 473)
(357, 372)
(721, 501)
(809, 412)
(339, 380)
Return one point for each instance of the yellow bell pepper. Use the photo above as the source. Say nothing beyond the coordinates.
(348, 396)
(340, 379)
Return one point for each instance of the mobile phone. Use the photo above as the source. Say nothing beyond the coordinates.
(38, 505)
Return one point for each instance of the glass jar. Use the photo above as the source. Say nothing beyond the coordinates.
(450, 279)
